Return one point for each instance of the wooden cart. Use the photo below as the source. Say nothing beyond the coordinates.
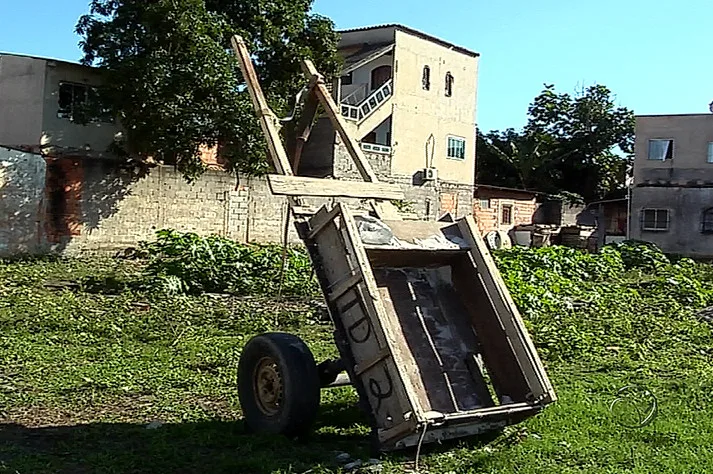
(426, 329)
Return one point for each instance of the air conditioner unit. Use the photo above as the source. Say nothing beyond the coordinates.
(430, 174)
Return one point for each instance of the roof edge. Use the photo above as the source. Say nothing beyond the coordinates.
(415, 32)
(701, 114)
(504, 188)
(44, 58)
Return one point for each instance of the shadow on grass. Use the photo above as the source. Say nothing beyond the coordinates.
(202, 447)
(196, 447)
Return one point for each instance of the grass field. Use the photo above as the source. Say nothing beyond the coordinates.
(104, 377)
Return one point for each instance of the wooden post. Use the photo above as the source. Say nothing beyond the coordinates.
(266, 116)
(304, 128)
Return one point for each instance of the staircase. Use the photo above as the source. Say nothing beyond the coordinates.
(365, 112)
(363, 109)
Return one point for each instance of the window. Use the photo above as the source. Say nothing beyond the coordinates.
(707, 221)
(71, 97)
(74, 97)
(449, 84)
(710, 152)
(660, 150)
(456, 148)
(347, 80)
(426, 80)
(506, 214)
(654, 219)
(485, 203)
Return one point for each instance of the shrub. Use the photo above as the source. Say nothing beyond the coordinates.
(188, 263)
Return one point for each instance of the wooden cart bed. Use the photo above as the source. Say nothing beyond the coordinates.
(429, 337)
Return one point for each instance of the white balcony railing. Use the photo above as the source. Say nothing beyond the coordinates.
(374, 148)
(361, 111)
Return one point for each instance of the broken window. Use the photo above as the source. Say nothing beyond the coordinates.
(449, 84)
(654, 219)
(456, 148)
(506, 214)
(76, 99)
(426, 80)
(660, 150)
(707, 221)
(71, 97)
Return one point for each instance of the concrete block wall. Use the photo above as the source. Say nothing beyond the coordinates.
(80, 205)
(22, 187)
(119, 209)
(684, 235)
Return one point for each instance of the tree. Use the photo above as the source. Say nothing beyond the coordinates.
(582, 144)
(175, 85)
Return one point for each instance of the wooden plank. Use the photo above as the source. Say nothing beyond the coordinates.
(507, 311)
(303, 211)
(304, 128)
(407, 369)
(304, 186)
(359, 333)
(385, 210)
(266, 116)
(415, 258)
(320, 221)
(368, 365)
(335, 115)
(342, 287)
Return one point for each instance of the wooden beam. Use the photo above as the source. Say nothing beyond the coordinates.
(304, 128)
(303, 186)
(266, 116)
(335, 115)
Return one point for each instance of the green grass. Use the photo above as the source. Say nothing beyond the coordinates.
(83, 372)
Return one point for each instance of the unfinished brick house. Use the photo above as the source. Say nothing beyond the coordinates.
(60, 190)
(501, 209)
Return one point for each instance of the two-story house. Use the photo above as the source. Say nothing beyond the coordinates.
(672, 193)
(38, 99)
(45, 155)
(410, 99)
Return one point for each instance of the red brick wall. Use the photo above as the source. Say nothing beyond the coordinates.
(63, 198)
(489, 219)
(449, 202)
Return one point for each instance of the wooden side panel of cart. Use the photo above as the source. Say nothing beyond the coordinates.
(364, 335)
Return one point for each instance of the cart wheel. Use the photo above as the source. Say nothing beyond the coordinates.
(278, 384)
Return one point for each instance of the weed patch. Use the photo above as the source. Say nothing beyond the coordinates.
(108, 350)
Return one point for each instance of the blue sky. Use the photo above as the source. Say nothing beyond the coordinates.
(655, 56)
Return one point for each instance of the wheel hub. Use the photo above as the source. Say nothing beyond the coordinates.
(267, 384)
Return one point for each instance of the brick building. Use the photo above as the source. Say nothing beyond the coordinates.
(501, 209)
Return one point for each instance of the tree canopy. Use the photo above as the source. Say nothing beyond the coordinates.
(173, 82)
(581, 144)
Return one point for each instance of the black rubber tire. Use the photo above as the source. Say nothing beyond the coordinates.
(300, 385)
